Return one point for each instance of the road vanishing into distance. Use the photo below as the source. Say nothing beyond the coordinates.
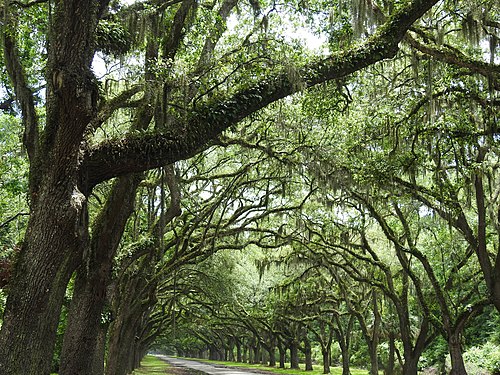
(204, 367)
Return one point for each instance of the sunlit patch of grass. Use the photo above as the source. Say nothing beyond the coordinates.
(152, 365)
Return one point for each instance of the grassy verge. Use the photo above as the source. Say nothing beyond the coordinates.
(152, 365)
(317, 369)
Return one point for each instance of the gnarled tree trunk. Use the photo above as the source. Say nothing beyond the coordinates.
(81, 340)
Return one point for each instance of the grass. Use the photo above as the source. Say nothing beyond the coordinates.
(152, 365)
(317, 369)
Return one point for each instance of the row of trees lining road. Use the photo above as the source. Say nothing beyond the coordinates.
(372, 262)
(142, 142)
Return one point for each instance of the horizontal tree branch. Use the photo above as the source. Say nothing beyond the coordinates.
(454, 57)
(141, 152)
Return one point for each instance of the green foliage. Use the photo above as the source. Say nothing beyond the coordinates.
(13, 184)
(435, 354)
(486, 357)
(112, 38)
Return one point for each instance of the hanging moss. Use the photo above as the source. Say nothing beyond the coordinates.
(471, 29)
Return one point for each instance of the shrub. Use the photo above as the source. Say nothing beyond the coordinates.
(486, 357)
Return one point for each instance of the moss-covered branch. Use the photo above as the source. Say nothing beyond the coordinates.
(142, 152)
(452, 56)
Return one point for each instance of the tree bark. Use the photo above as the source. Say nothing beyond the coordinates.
(326, 360)
(231, 350)
(244, 354)
(124, 328)
(57, 229)
(308, 355)
(50, 252)
(282, 355)
(346, 369)
(410, 366)
(389, 368)
(239, 356)
(256, 352)
(294, 354)
(79, 352)
(344, 339)
(100, 351)
(272, 355)
(457, 360)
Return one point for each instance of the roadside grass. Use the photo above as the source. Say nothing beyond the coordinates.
(152, 365)
(317, 369)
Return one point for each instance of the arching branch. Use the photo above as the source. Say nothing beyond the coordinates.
(138, 153)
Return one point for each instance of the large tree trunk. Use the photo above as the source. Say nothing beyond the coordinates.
(372, 349)
(100, 351)
(326, 360)
(412, 356)
(239, 356)
(457, 360)
(282, 355)
(272, 355)
(256, 352)
(57, 229)
(49, 255)
(123, 330)
(139, 353)
(80, 347)
(308, 354)
(389, 368)
(121, 347)
(244, 354)
(410, 366)
(344, 339)
(344, 351)
(294, 355)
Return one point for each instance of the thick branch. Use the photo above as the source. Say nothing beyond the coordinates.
(174, 209)
(213, 38)
(454, 57)
(175, 36)
(138, 153)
